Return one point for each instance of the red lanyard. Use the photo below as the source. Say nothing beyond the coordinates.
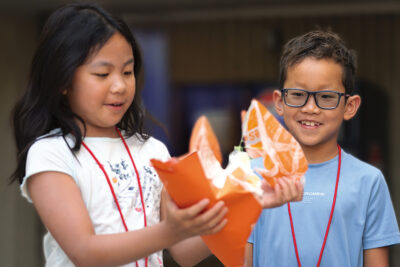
(112, 189)
(330, 217)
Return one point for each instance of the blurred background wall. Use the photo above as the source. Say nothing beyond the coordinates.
(213, 57)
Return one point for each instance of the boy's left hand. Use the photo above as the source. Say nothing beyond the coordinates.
(285, 190)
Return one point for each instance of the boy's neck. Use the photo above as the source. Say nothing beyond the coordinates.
(319, 154)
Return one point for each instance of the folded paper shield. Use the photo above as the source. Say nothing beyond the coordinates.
(198, 174)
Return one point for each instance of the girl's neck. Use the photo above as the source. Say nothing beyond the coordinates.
(110, 132)
(319, 154)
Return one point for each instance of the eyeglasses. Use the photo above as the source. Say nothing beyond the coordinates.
(323, 99)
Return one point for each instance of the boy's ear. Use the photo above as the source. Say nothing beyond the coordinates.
(278, 102)
(352, 105)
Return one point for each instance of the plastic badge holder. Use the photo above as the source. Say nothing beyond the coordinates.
(198, 174)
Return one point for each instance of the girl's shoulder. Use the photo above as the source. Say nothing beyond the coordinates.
(49, 152)
(53, 140)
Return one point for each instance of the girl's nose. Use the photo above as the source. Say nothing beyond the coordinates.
(118, 85)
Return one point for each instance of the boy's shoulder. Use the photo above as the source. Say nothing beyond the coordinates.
(358, 164)
(356, 168)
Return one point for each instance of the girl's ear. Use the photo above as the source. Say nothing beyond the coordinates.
(352, 105)
(278, 102)
(64, 92)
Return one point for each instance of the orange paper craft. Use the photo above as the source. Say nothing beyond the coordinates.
(265, 137)
(189, 179)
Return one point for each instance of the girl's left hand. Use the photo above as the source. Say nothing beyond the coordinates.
(285, 190)
(194, 220)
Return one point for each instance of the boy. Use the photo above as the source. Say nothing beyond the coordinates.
(346, 217)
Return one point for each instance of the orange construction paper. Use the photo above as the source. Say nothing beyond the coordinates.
(189, 179)
(265, 137)
(203, 137)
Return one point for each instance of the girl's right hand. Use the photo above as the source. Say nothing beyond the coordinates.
(194, 220)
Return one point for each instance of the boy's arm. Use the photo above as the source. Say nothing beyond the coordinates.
(248, 261)
(376, 257)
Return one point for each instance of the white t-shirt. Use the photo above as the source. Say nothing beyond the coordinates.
(53, 154)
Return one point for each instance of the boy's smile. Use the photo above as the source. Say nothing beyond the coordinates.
(313, 127)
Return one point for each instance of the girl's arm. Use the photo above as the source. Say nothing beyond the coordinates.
(189, 252)
(376, 257)
(248, 261)
(192, 250)
(58, 201)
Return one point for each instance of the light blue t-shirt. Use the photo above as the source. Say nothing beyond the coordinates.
(364, 218)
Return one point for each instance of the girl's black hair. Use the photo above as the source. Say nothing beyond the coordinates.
(71, 34)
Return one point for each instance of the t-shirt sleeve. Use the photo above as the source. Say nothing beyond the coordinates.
(157, 150)
(45, 155)
(381, 228)
(163, 152)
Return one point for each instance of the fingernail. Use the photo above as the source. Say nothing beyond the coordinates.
(205, 201)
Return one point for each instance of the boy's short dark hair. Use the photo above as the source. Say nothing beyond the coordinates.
(319, 44)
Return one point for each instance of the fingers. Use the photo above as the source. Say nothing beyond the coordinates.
(216, 228)
(195, 209)
(266, 187)
(300, 190)
(213, 220)
(292, 190)
(194, 220)
(207, 222)
(285, 190)
(272, 198)
(288, 189)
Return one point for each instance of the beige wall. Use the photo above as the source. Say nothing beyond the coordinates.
(19, 226)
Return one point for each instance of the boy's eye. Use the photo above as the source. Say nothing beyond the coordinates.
(327, 95)
(297, 94)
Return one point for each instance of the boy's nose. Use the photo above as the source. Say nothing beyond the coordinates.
(311, 105)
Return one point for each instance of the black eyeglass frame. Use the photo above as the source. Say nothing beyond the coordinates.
(285, 90)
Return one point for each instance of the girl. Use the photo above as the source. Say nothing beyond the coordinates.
(83, 156)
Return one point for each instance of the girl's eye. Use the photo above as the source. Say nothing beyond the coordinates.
(128, 73)
(102, 75)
